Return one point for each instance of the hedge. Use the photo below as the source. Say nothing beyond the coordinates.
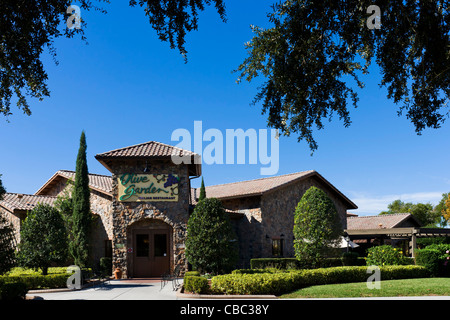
(435, 258)
(38, 281)
(13, 291)
(283, 282)
(293, 263)
(195, 284)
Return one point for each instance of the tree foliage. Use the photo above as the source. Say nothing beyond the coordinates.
(423, 212)
(211, 244)
(43, 239)
(202, 191)
(82, 217)
(27, 27)
(317, 226)
(317, 49)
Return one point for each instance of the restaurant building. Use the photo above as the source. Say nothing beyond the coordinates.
(141, 210)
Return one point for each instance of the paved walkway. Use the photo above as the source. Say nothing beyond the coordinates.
(129, 289)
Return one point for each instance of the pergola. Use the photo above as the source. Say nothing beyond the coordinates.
(411, 233)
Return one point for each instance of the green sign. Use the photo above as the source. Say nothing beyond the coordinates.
(148, 187)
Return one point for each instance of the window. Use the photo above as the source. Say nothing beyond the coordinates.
(277, 247)
(160, 245)
(142, 245)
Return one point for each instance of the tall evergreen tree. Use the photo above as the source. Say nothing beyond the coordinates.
(211, 244)
(317, 227)
(79, 247)
(202, 191)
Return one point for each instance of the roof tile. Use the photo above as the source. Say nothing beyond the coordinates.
(17, 201)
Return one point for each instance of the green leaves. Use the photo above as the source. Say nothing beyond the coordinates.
(210, 242)
(313, 53)
(317, 226)
(43, 238)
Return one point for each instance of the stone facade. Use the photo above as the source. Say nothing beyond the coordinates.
(126, 214)
(102, 232)
(261, 210)
(271, 217)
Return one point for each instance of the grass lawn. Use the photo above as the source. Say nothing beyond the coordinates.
(389, 288)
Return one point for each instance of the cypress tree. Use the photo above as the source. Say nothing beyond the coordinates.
(202, 191)
(79, 247)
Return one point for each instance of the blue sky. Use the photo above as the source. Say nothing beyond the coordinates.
(127, 87)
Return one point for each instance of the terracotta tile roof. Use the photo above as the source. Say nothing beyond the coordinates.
(146, 149)
(17, 201)
(380, 221)
(251, 187)
(151, 149)
(260, 186)
(97, 182)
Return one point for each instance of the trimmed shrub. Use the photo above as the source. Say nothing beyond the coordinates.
(195, 284)
(435, 258)
(293, 263)
(386, 255)
(39, 281)
(211, 244)
(317, 227)
(192, 273)
(284, 282)
(277, 263)
(13, 291)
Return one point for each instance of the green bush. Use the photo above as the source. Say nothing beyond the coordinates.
(211, 244)
(277, 263)
(106, 265)
(38, 281)
(195, 284)
(192, 273)
(350, 259)
(283, 282)
(386, 255)
(435, 258)
(317, 227)
(13, 291)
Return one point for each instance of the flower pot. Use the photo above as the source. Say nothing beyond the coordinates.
(118, 273)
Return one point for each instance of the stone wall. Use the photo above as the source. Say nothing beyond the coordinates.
(125, 214)
(101, 207)
(271, 216)
(277, 210)
(247, 228)
(13, 220)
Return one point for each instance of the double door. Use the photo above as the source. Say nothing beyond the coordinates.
(150, 252)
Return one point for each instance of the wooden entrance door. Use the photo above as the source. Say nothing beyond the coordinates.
(151, 252)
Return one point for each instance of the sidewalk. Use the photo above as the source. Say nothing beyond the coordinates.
(126, 289)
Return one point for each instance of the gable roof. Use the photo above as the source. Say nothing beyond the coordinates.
(98, 182)
(261, 186)
(150, 150)
(383, 221)
(24, 202)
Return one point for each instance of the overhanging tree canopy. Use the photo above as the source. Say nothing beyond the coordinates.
(316, 47)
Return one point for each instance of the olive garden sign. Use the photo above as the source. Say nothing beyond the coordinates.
(148, 187)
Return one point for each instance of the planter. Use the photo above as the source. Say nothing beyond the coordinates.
(118, 273)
